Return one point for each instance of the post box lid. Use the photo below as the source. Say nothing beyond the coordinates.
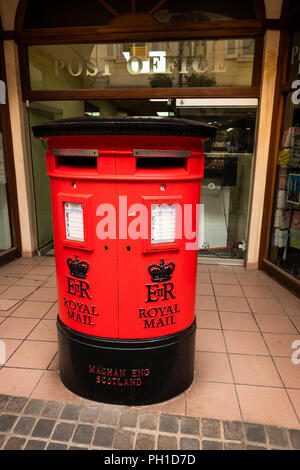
(124, 125)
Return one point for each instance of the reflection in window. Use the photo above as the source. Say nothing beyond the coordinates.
(226, 185)
(239, 48)
(294, 66)
(189, 63)
(176, 11)
(56, 13)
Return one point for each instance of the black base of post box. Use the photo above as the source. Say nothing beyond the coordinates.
(126, 372)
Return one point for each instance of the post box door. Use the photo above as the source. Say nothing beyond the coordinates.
(156, 276)
(86, 265)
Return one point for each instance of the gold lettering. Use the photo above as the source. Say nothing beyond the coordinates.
(295, 51)
(79, 68)
(134, 60)
(106, 68)
(200, 64)
(222, 67)
(170, 64)
(153, 64)
(91, 69)
(58, 65)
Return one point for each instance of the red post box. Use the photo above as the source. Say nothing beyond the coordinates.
(124, 199)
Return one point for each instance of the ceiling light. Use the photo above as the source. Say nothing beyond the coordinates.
(165, 113)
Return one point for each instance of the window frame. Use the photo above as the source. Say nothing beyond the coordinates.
(141, 32)
(289, 22)
(11, 187)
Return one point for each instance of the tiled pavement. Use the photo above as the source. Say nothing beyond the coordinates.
(246, 325)
(33, 424)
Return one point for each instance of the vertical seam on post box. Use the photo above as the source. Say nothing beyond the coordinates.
(117, 249)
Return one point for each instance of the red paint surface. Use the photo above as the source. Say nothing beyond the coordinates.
(118, 278)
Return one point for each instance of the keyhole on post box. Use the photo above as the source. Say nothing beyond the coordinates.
(106, 247)
(128, 248)
(74, 185)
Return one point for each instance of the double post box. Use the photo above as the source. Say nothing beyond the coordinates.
(125, 199)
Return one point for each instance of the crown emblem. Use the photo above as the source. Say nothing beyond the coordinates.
(78, 268)
(161, 272)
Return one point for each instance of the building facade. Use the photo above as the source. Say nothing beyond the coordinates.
(231, 65)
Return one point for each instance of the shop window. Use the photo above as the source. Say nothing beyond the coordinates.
(242, 49)
(176, 11)
(284, 248)
(199, 63)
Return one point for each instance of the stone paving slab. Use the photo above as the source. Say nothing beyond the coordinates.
(32, 424)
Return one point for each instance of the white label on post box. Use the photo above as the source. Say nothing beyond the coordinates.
(74, 221)
(163, 223)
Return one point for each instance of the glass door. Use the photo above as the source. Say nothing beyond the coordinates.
(226, 186)
(10, 239)
(5, 229)
(39, 113)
